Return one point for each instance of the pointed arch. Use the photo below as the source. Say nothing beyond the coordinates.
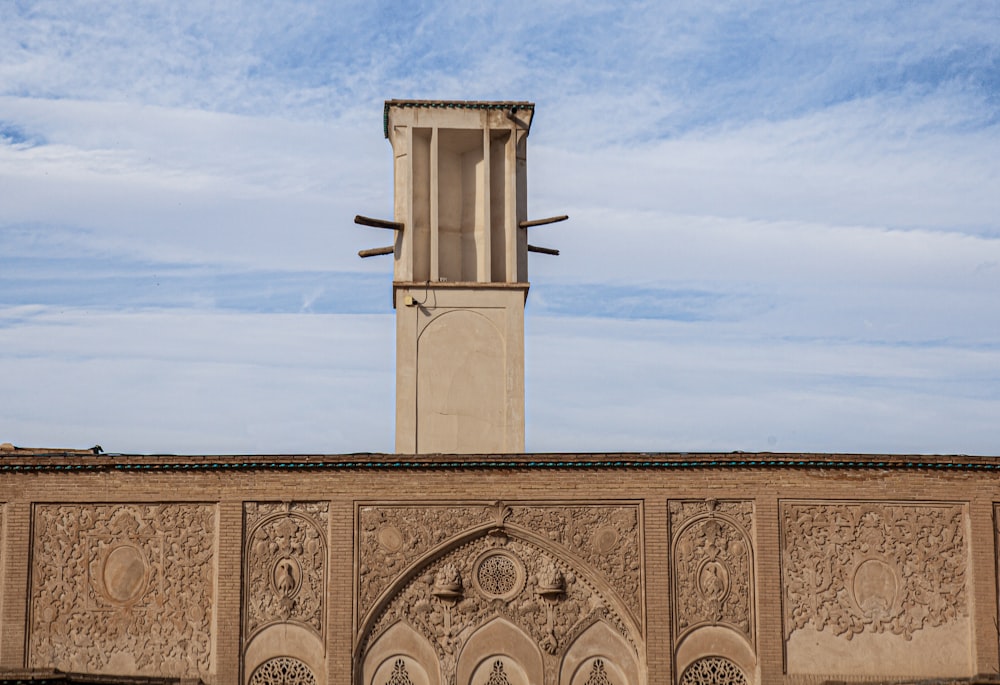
(599, 641)
(501, 640)
(420, 565)
(401, 643)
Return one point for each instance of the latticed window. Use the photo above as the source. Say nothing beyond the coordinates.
(283, 670)
(713, 670)
(498, 676)
(598, 676)
(400, 676)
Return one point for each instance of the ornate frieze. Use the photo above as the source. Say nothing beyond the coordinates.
(873, 567)
(123, 587)
(285, 564)
(712, 565)
(498, 575)
(392, 537)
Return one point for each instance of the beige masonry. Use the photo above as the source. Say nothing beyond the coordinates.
(542, 569)
(460, 274)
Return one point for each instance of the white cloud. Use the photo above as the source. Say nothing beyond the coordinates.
(808, 190)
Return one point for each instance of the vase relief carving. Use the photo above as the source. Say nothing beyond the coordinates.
(511, 578)
(393, 537)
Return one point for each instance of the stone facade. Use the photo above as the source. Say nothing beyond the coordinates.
(568, 570)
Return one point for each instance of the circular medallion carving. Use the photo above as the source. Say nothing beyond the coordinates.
(713, 580)
(713, 670)
(124, 574)
(499, 575)
(390, 537)
(875, 587)
(283, 670)
(286, 576)
(605, 539)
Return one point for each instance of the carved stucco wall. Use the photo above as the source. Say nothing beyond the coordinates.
(123, 588)
(875, 587)
(541, 575)
(285, 597)
(713, 582)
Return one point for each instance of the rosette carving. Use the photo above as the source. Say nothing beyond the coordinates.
(873, 567)
(132, 579)
(285, 564)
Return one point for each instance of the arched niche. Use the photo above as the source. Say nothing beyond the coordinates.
(400, 670)
(285, 640)
(461, 383)
(713, 583)
(720, 641)
(450, 613)
(600, 641)
(500, 640)
(401, 642)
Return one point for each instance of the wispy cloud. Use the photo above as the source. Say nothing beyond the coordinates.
(784, 220)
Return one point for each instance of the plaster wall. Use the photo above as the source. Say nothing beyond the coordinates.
(230, 569)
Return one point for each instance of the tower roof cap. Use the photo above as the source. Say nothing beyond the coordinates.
(513, 105)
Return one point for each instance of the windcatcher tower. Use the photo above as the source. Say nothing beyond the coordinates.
(460, 274)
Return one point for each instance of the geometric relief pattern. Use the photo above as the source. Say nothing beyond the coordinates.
(605, 536)
(118, 586)
(713, 670)
(400, 676)
(873, 567)
(713, 581)
(283, 670)
(498, 676)
(598, 676)
(551, 602)
(285, 564)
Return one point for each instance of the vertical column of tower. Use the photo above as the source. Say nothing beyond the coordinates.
(460, 274)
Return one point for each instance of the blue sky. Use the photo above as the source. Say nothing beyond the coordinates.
(784, 234)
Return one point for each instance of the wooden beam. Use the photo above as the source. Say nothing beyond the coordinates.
(378, 223)
(542, 222)
(376, 251)
(543, 250)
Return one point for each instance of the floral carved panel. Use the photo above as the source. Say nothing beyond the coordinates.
(873, 567)
(123, 588)
(712, 565)
(392, 537)
(284, 564)
(500, 575)
(607, 537)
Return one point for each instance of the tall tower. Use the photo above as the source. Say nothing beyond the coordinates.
(460, 276)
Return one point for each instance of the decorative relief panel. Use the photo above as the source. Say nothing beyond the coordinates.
(712, 565)
(393, 537)
(284, 564)
(123, 588)
(283, 670)
(499, 575)
(605, 536)
(713, 670)
(873, 567)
